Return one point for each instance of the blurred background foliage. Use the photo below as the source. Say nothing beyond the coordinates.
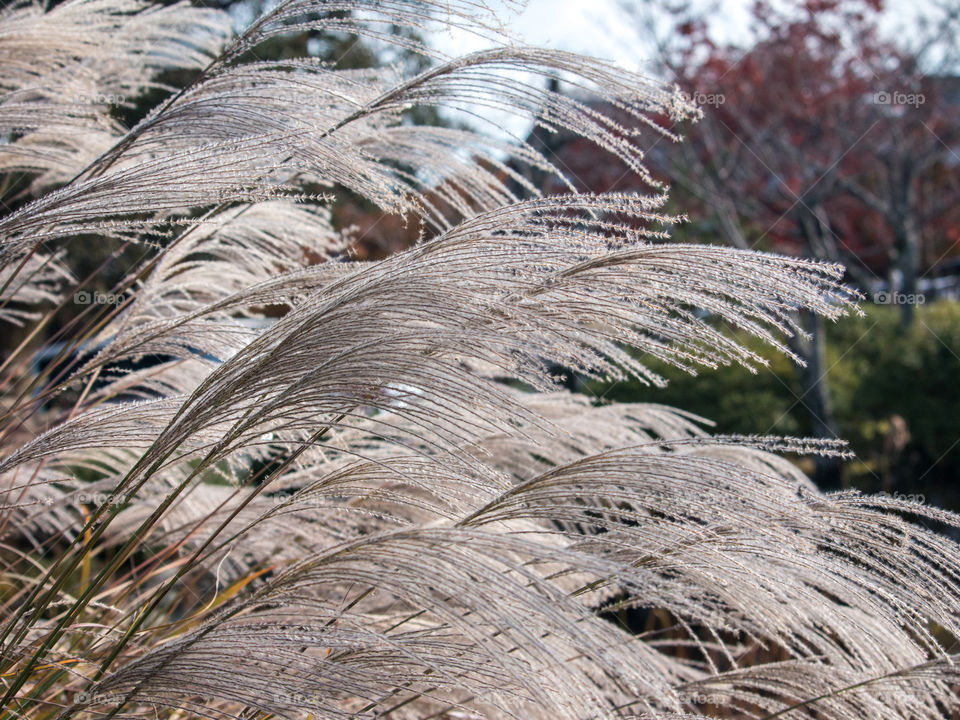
(827, 137)
(895, 397)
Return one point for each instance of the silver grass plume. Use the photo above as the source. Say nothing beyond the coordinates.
(346, 511)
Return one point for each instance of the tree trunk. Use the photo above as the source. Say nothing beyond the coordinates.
(906, 235)
(816, 399)
(814, 380)
(907, 242)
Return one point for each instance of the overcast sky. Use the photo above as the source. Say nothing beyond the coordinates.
(592, 27)
(600, 28)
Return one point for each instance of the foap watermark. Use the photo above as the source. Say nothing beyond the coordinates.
(95, 297)
(917, 498)
(885, 297)
(896, 97)
(85, 698)
(715, 99)
(295, 698)
(703, 698)
(299, 502)
(99, 99)
(100, 498)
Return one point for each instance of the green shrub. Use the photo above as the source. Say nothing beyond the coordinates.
(877, 370)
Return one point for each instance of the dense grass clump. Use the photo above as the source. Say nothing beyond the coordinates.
(256, 477)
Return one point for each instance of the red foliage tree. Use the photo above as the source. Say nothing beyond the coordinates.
(825, 139)
(820, 138)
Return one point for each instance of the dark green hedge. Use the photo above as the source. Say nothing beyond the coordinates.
(877, 370)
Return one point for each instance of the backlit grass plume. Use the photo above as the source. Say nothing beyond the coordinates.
(255, 477)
